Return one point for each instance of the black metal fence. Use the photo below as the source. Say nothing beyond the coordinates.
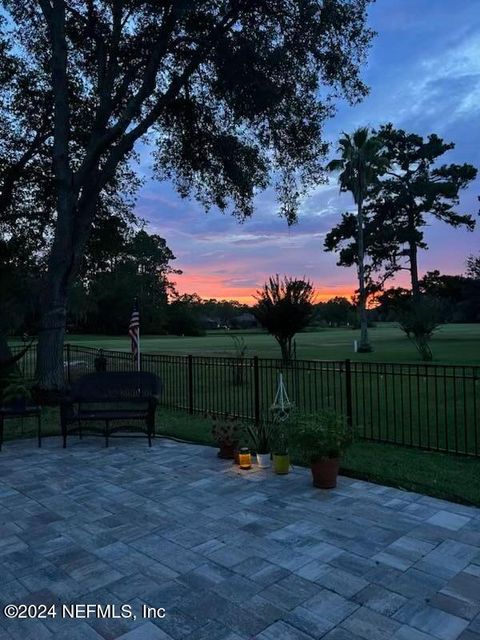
(434, 407)
(27, 364)
(428, 406)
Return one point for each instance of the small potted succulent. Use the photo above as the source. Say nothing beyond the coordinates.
(281, 457)
(321, 439)
(261, 436)
(228, 433)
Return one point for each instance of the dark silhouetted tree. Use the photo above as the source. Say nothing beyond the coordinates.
(336, 312)
(284, 307)
(360, 165)
(473, 267)
(231, 92)
(413, 187)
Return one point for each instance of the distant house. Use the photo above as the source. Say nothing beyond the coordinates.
(244, 321)
(208, 323)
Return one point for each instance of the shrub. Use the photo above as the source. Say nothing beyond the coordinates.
(419, 319)
(285, 307)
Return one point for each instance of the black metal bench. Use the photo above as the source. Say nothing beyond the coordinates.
(110, 397)
(21, 410)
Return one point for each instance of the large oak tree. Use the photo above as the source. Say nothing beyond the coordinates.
(27, 188)
(231, 92)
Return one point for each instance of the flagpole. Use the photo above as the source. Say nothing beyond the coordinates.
(138, 349)
(138, 334)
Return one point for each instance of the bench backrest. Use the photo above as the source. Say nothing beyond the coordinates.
(115, 386)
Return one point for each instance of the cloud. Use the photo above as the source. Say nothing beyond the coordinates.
(424, 74)
(447, 84)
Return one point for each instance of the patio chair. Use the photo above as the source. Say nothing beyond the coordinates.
(21, 410)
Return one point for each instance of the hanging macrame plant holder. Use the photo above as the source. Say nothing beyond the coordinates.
(281, 406)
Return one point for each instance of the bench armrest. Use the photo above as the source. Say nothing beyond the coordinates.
(153, 402)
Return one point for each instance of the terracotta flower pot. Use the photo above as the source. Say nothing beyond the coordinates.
(281, 463)
(226, 451)
(325, 473)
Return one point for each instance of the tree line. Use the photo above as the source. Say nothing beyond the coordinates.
(285, 307)
(131, 264)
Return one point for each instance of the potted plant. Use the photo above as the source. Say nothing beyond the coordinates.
(261, 436)
(321, 439)
(227, 432)
(281, 457)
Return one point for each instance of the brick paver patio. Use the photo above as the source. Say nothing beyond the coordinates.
(228, 554)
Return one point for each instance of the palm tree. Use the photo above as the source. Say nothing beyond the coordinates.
(360, 165)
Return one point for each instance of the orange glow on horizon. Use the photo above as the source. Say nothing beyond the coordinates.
(214, 286)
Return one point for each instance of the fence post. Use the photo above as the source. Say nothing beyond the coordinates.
(348, 391)
(256, 390)
(190, 384)
(69, 379)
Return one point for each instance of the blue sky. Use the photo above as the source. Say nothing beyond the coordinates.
(423, 71)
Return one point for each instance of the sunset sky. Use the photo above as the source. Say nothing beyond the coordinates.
(424, 76)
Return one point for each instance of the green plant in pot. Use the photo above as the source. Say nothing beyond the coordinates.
(228, 433)
(261, 436)
(322, 438)
(281, 457)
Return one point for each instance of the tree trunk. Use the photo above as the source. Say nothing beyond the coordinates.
(285, 348)
(52, 326)
(412, 254)
(60, 266)
(64, 265)
(364, 345)
(50, 374)
(74, 224)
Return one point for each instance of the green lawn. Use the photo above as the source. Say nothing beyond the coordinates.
(433, 408)
(445, 476)
(453, 344)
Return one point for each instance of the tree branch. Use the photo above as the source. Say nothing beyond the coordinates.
(98, 144)
(12, 174)
(55, 18)
(47, 10)
(178, 83)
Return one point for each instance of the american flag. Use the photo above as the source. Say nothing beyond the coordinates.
(134, 330)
